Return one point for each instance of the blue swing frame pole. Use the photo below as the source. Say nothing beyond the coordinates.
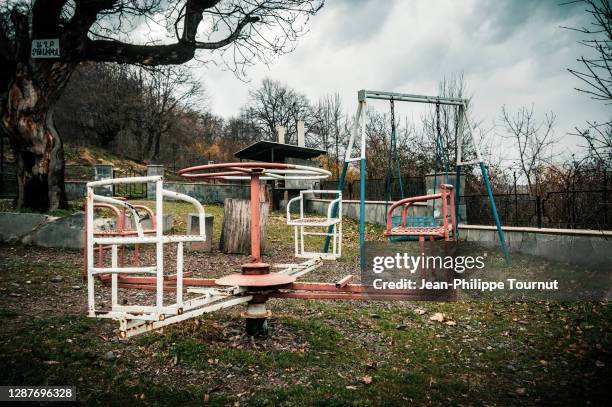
(362, 182)
(500, 232)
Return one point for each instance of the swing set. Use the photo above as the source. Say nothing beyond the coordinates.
(409, 227)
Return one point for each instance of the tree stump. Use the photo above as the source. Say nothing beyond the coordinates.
(236, 229)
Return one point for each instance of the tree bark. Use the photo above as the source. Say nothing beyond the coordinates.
(28, 120)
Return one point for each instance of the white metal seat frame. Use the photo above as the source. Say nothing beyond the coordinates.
(301, 224)
(137, 312)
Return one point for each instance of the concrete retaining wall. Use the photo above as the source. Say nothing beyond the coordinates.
(210, 193)
(585, 247)
(205, 193)
(76, 190)
(375, 210)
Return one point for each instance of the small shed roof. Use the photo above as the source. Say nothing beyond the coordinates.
(277, 152)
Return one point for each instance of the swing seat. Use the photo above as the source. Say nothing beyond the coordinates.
(411, 221)
(404, 227)
(304, 225)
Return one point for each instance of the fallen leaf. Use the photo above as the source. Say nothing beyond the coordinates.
(450, 322)
(438, 316)
(366, 379)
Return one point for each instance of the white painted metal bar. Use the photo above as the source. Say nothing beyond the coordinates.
(179, 272)
(146, 239)
(353, 135)
(407, 97)
(145, 309)
(89, 247)
(459, 141)
(159, 214)
(145, 327)
(195, 202)
(473, 136)
(363, 129)
(114, 294)
(119, 315)
(130, 180)
(114, 201)
(123, 270)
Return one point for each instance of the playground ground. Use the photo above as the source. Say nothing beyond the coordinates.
(318, 353)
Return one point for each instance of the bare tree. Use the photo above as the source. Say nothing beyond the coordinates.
(596, 74)
(328, 129)
(238, 32)
(598, 137)
(276, 104)
(596, 70)
(168, 91)
(534, 142)
(442, 122)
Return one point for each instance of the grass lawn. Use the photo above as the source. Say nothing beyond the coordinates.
(319, 352)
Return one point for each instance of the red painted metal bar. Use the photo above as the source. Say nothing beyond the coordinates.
(344, 281)
(353, 296)
(255, 232)
(242, 168)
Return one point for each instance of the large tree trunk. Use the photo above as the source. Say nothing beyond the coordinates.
(28, 120)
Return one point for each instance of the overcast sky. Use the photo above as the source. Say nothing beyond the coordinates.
(511, 52)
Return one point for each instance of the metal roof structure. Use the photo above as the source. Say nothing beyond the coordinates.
(270, 151)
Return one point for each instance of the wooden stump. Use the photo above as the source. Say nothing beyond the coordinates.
(236, 229)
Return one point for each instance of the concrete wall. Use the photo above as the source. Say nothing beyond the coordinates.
(76, 190)
(584, 247)
(205, 193)
(210, 193)
(375, 211)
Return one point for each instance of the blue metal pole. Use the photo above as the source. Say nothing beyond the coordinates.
(341, 182)
(500, 232)
(362, 175)
(456, 203)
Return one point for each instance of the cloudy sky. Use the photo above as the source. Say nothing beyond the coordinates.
(512, 53)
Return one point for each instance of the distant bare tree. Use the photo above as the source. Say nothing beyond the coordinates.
(534, 142)
(276, 104)
(328, 129)
(598, 137)
(168, 91)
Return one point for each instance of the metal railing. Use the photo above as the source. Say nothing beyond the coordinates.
(129, 190)
(376, 188)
